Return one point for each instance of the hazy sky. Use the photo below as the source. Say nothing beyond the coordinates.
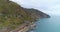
(47, 6)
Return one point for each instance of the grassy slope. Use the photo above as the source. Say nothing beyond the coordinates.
(11, 14)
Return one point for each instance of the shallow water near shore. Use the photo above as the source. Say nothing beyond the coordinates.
(48, 24)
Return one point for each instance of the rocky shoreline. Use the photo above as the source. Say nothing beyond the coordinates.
(25, 27)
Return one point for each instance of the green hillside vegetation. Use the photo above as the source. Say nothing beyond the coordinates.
(11, 14)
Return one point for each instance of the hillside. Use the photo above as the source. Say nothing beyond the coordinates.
(13, 15)
(36, 12)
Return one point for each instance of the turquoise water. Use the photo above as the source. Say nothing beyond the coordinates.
(49, 24)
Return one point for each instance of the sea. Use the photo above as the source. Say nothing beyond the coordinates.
(51, 24)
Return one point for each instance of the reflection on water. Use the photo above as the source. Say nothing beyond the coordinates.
(49, 24)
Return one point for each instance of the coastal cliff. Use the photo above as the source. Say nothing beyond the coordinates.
(36, 12)
(13, 15)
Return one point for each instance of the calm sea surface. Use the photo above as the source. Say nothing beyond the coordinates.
(49, 24)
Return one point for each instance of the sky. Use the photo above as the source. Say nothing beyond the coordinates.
(46, 6)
